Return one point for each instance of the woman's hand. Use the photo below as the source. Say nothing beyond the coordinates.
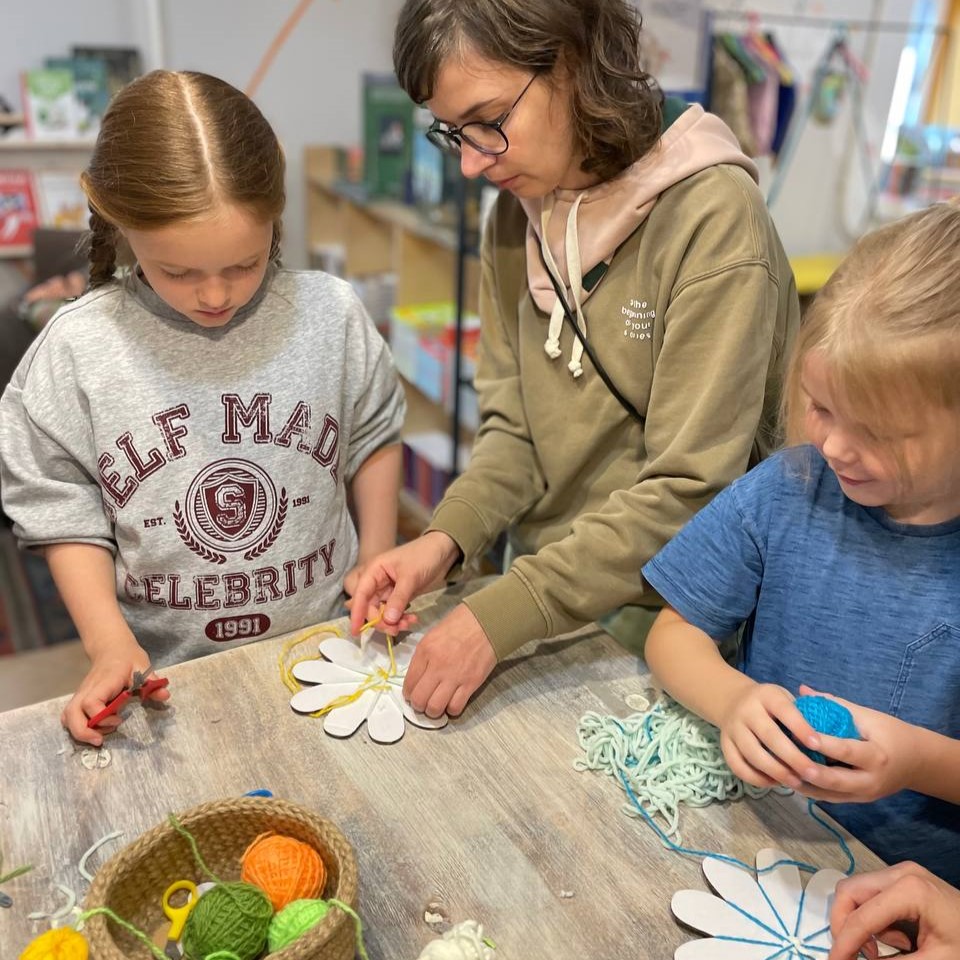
(883, 762)
(755, 745)
(449, 665)
(867, 907)
(391, 580)
(110, 673)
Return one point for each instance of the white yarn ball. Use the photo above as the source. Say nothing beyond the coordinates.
(462, 942)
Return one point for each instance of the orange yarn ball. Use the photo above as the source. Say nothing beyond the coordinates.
(283, 868)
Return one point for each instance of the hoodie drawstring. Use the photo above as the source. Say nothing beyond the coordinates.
(574, 270)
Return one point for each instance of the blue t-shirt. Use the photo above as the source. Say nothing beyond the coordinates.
(840, 597)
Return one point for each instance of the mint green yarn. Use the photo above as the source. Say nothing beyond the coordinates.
(667, 755)
(294, 920)
(230, 918)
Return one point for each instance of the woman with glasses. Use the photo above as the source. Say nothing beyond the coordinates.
(636, 306)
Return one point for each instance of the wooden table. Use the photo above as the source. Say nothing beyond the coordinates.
(486, 818)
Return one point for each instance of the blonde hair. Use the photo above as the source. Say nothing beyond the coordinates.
(172, 147)
(887, 326)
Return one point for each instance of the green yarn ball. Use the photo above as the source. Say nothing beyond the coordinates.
(228, 918)
(294, 920)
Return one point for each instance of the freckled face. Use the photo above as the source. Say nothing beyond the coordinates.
(206, 269)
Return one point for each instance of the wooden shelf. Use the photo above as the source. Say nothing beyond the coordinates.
(365, 238)
(15, 253)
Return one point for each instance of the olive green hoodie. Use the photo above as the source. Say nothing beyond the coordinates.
(676, 275)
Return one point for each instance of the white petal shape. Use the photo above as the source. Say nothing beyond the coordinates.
(323, 671)
(708, 913)
(344, 721)
(738, 885)
(403, 653)
(316, 698)
(723, 950)
(817, 900)
(385, 722)
(347, 653)
(782, 886)
(419, 719)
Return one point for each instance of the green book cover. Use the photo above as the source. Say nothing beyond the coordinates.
(49, 104)
(90, 87)
(388, 133)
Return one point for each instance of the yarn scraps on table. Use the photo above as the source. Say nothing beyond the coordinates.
(5, 899)
(667, 756)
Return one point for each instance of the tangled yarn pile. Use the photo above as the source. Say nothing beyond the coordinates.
(662, 758)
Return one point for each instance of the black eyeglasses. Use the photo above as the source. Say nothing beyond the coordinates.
(484, 136)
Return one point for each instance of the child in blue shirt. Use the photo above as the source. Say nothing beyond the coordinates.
(842, 557)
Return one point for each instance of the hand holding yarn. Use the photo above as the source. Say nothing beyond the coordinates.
(760, 733)
(883, 761)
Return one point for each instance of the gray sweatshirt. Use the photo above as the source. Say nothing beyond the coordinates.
(214, 463)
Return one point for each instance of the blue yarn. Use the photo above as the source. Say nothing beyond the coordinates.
(258, 793)
(829, 717)
(686, 851)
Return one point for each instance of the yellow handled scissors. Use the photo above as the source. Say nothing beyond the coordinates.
(178, 914)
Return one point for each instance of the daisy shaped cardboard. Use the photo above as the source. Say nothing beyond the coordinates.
(772, 916)
(357, 684)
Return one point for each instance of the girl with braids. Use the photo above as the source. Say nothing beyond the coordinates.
(629, 250)
(204, 445)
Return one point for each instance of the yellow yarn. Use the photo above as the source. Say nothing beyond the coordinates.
(379, 681)
(61, 944)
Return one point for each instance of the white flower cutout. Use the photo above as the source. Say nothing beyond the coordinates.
(772, 916)
(366, 684)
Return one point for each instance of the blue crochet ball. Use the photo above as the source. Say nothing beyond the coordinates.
(829, 717)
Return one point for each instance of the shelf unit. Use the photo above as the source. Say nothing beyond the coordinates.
(432, 261)
(18, 152)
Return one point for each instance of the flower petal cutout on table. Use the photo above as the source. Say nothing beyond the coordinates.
(373, 675)
(346, 720)
(770, 915)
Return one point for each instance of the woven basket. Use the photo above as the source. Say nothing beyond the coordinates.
(132, 883)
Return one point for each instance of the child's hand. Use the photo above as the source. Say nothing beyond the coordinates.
(880, 764)
(110, 673)
(754, 744)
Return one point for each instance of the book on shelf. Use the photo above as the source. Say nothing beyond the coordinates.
(50, 107)
(61, 201)
(18, 209)
(387, 134)
(90, 89)
(122, 63)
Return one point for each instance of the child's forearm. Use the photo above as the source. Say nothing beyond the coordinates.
(690, 668)
(937, 766)
(374, 491)
(84, 575)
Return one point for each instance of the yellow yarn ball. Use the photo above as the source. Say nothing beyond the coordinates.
(285, 869)
(63, 944)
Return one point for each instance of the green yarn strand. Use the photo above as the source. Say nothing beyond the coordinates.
(188, 836)
(357, 922)
(129, 927)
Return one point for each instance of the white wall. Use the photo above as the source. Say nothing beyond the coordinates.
(311, 94)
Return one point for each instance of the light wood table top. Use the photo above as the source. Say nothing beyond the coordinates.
(487, 817)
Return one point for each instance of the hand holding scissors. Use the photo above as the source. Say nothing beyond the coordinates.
(141, 685)
(178, 915)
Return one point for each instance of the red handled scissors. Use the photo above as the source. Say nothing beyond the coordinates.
(141, 686)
